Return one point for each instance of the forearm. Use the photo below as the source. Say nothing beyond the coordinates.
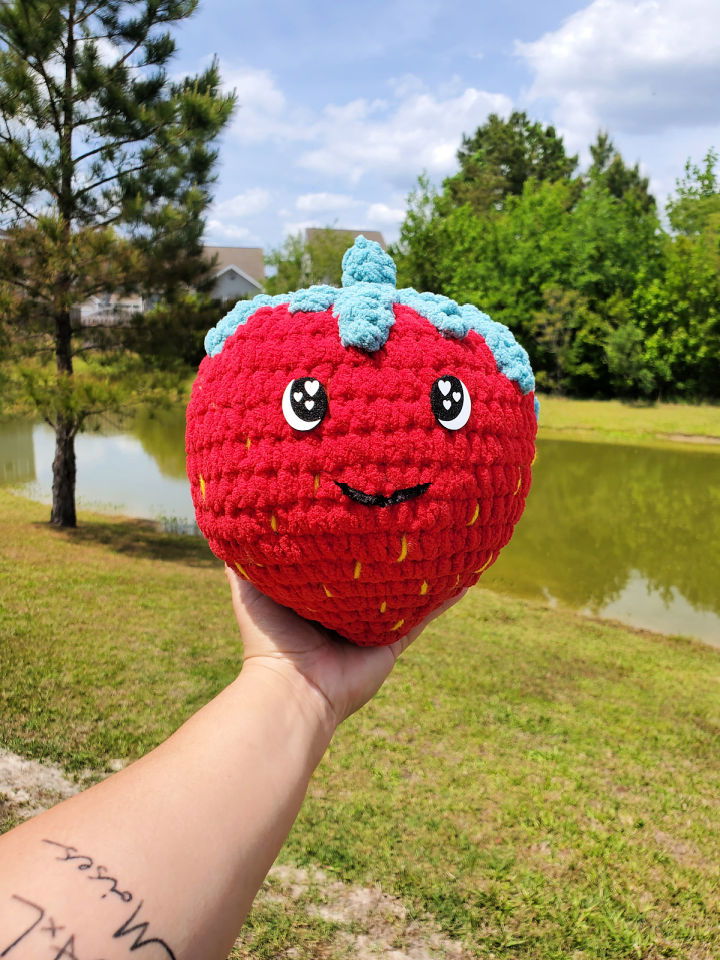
(180, 841)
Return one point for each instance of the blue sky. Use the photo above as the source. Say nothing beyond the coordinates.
(342, 105)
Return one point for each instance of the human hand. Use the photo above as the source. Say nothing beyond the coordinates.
(317, 661)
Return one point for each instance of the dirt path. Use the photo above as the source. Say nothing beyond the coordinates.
(372, 924)
(27, 787)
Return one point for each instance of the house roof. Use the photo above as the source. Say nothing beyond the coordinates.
(375, 235)
(249, 261)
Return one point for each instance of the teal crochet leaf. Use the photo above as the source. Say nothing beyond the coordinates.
(364, 308)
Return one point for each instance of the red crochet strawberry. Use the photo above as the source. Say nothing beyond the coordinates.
(360, 454)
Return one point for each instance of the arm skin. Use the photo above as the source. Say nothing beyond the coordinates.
(163, 859)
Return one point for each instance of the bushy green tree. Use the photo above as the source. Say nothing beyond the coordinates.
(501, 156)
(611, 242)
(678, 314)
(603, 298)
(569, 336)
(678, 310)
(105, 168)
(695, 208)
(629, 366)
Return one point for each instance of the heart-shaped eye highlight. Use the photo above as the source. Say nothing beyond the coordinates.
(450, 402)
(304, 403)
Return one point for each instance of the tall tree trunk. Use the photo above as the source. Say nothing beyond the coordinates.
(63, 489)
(64, 468)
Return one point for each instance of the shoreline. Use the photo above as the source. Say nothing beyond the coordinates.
(692, 443)
(154, 527)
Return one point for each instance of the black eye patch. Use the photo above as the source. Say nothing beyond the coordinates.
(450, 402)
(305, 403)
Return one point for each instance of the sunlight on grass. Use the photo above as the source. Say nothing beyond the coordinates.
(618, 422)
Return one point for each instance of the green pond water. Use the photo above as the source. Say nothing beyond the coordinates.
(622, 532)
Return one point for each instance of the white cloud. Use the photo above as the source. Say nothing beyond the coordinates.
(108, 52)
(418, 130)
(262, 110)
(245, 204)
(319, 202)
(634, 66)
(385, 215)
(216, 229)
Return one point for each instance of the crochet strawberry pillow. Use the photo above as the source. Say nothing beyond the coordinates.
(362, 453)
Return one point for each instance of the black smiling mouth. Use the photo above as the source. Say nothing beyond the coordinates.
(378, 500)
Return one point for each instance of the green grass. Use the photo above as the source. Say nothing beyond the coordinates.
(542, 786)
(615, 422)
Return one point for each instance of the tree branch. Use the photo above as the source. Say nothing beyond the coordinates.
(16, 282)
(8, 138)
(8, 198)
(116, 143)
(26, 59)
(88, 12)
(118, 175)
(39, 67)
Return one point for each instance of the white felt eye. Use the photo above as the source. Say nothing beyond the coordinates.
(450, 402)
(304, 403)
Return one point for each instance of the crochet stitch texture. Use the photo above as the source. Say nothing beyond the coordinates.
(360, 454)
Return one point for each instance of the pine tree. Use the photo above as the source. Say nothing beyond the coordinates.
(623, 182)
(105, 169)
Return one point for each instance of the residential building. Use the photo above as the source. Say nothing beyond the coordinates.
(239, 271)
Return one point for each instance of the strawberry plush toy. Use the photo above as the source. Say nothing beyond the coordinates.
(362, 453)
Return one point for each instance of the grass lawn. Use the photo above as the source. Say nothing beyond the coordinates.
(540, 785)
(616, 422)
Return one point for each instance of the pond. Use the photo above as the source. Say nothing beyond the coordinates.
(622, 532)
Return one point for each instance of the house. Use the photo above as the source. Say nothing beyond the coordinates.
(238, 271)
(107, 309)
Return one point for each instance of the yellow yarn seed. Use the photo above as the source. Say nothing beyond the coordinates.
(317, 482)
(241, 570)
(518, 483)
(424, 588)
(357, 571)
(383, 607)
(202, 486)
(534, 458)
(474, 516)
(403, 550)
(397, 625)
(273, 522)
(248, 443)
(457, 580)
(485, 565)
(327, 592)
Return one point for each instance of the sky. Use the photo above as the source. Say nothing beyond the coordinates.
(342, 105)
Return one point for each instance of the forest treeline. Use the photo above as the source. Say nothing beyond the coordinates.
(610, 295)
